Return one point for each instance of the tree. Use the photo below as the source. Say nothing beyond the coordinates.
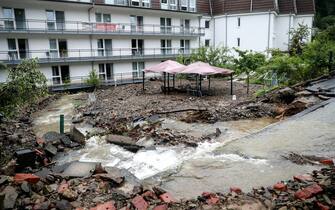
(248, 61)
(298, 39)
(25, 84)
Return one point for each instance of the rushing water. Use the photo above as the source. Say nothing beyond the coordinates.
(242, 156)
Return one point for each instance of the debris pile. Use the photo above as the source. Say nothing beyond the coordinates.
(91, 186)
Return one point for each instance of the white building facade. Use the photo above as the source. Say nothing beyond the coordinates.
(119, 38)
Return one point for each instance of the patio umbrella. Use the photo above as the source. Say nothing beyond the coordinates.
(203, 69)
(167, 66)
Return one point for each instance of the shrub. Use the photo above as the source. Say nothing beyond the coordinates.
(25, 84)
(93, 78)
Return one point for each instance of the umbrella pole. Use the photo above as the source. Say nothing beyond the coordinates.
(164, 82)
(231, 84)
(200, 86)
(174, 81)
(209, 83)
(143, 75)
(168, 77)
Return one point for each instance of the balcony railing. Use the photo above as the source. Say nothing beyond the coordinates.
(75, 55)
(80, 27)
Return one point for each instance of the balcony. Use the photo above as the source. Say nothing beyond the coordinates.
(14, 57)
(79, 27)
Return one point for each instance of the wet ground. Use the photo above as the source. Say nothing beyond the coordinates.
(242, 156)
(48, 119)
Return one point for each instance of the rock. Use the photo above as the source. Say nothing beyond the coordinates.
(211, 198)
(50, 149)
(303, 178)
(322, 206)
(10, 196)
(52, 137)
(66, 140)
(149, 195)
(146, 142)
(308, 192)
(69, 194)
(79, 169)
(161, 207)
(62, 187)
(25, 187)
(42, 206)
(110, 205)
(235, 190)
(114, 177)
(9, 169)
(99, 169)
(280, 186)
(3, 179)
(78, 135)
(167, 198)
(30, 178)
(123, 141)
(14, 138)
(139, 203)
(63, 205)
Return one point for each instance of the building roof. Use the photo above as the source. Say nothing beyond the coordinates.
(244, 6)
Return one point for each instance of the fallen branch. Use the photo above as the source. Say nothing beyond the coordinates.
(182, 110)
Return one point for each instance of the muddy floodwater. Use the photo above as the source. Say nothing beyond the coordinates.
(247, 154)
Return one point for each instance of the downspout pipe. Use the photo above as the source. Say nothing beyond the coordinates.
(269, 31)
(89, 20)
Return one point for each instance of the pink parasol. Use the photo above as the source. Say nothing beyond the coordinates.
(167, 66)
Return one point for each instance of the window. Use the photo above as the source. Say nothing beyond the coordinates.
(238, 22)
(138, 67)
(55, 20)
(165, 25)
(137, 46)
(53, 48)
(58, 48)
(98, 17)
(207, 24)
(104, 47)
(192, 6)
(56, 78)
(14, 18)
(12, 49)
(166, 47)
(184, 46)
(17, 48)
(145, 3)
(106, 71)
(183, 5)
(238, 42)
(135, 3)
(9, 18)
(60, 75)
(164, 1)
(102, 18)
(207, 41)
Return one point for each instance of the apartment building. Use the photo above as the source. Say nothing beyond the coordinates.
(119, 38)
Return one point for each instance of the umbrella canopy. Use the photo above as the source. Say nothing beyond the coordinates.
(167, 66)
(203, 69)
